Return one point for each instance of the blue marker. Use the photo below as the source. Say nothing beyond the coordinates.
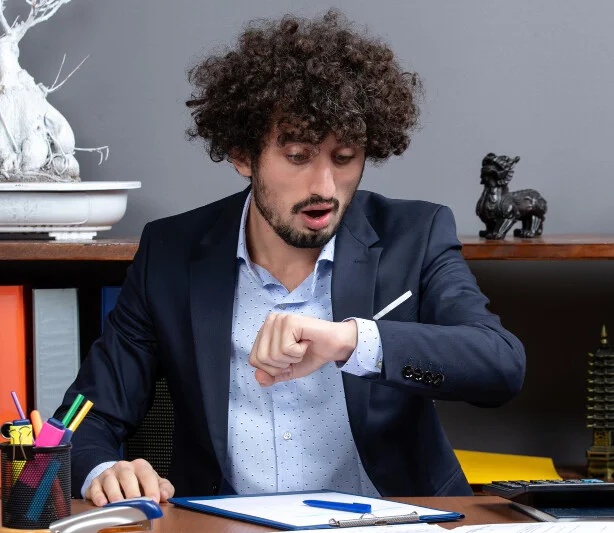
(340, 506)
(43, 491)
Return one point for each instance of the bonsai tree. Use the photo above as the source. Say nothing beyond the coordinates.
(36, 141)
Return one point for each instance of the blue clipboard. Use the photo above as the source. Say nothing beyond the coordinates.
(207, 504)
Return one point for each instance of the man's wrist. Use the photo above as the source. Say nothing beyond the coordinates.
(349, 336)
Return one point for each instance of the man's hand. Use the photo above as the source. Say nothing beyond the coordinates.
(291, 346)
(129, 479)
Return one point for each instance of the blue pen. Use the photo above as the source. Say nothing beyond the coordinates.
(340, 506)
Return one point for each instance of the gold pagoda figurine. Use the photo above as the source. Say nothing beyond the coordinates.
(600, 410)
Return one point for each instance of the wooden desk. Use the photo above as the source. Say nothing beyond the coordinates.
(477, 510)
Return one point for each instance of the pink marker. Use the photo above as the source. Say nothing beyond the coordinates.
(51, 433)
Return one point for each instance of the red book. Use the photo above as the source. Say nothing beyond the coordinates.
(13, 374)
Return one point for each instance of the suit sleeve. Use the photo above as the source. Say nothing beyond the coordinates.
(118, 376)
(459, 350)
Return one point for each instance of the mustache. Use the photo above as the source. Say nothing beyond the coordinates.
(313, 200)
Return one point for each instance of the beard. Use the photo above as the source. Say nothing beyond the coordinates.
(290, 235)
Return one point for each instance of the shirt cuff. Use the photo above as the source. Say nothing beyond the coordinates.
(96, 471)
(367, 358)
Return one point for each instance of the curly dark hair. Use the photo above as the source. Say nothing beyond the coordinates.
(310, 78)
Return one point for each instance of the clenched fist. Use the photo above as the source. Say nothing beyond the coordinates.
(290, 346)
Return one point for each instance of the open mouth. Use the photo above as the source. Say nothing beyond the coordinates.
(317, 219)
(316, 213)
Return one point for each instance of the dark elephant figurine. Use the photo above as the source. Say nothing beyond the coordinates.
(500, 209)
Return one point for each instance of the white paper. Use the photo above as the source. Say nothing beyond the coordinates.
(540, 527)
(290, 509)
(397, 528)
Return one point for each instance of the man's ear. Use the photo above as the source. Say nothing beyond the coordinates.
(242, 163)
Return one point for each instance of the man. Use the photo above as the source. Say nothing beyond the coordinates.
(304, 328)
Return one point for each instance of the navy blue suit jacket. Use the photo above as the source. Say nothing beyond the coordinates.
(174, 317)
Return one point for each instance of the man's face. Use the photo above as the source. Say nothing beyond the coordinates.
(303, 190)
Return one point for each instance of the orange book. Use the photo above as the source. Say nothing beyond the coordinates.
(13, 373)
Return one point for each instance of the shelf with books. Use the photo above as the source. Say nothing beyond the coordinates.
(62, 284)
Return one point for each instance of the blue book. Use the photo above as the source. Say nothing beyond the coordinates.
(109, 298)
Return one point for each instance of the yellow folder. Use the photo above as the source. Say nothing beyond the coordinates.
(484, 467)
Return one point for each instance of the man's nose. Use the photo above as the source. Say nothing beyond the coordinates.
(323, 181)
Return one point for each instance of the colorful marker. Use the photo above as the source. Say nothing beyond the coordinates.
(80, 416)
(37, 422)
(73, 409)
(18, 405)
(51, 433)
(43, 490)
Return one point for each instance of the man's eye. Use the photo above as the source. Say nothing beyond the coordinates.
(343, 158)
(297, 158)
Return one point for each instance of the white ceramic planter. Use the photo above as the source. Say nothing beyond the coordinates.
(65, 211)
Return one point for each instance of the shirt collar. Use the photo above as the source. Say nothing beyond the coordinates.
(327, 253)
(242, 244)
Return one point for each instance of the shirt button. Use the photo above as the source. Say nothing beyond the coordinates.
(378, 364)
(287, 435)
(282, 306)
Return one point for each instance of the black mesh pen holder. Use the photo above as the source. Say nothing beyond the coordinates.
(35, 485)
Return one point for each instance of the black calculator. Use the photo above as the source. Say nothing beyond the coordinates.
(555, 492)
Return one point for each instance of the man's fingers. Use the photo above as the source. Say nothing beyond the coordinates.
(253, 354)
(147, 479)
(256, 344)
(262, 348)
(296, 350)
(166, 489)
(273, 353)
(96, 494)
(276, 360)
(111, 488)
(272, 370)
(275, 344)
(265, 379)
(128, 482)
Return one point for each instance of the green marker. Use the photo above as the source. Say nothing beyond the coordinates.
(73, 409)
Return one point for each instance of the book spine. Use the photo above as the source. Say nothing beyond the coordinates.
(13, 374)
(109, 296)
(56, 346)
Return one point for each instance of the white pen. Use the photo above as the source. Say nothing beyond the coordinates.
(392, 305)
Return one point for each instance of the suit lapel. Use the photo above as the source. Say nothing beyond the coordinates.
(213, 277)
(355, 266)
(353, 292)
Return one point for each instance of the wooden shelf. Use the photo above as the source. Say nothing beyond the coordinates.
(563, 246)
(95, 250)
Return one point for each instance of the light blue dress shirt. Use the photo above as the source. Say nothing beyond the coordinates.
(294, 435)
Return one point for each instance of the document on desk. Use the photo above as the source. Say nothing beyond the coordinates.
(540, 527)
(287, 510)
(420, 527)
(584, 527)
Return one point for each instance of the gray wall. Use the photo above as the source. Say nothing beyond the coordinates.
(519, 77)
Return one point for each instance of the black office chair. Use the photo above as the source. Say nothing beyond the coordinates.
(153, 439)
